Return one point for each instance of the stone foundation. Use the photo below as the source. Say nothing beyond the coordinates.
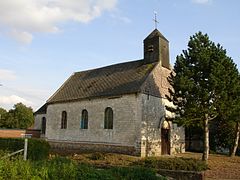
(64, 147)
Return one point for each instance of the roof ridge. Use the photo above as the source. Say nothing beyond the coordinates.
(111, 65)
(155, 33)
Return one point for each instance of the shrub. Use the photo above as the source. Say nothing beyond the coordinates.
(173, 164)
(63, 168)
(89, 172)
(3, 153)
(17, 169)
(37, 149)
(139, 173)
(59, 168)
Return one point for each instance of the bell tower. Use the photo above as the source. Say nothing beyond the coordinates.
(156, 49)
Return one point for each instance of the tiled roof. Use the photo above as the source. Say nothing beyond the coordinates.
(118, 79)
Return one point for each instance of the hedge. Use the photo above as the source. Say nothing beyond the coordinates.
(37, 149)
(177, 163)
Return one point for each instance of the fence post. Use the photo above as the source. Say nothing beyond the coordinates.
(25, 149)
(26, 136)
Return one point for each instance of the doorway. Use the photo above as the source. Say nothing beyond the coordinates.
(165, 138)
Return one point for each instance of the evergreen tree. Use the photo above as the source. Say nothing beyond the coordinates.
(200, 84)
(229, 103)
(234, 110)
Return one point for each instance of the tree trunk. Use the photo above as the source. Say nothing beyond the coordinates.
(206, 140)
(237, 134)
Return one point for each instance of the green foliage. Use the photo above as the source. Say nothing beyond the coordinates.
(60, 168)
(17, 169)
(89, 172)
(20, 117)
(139, 173)
(204, 75)
(37, 149)
(3, 114)
(23, 115)
(174, 164)
(2, 111)
(63, 168)
(222, 135)
(206, 85)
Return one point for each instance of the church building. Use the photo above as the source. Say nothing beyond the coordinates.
(118, 108)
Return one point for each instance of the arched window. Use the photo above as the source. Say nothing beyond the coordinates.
(43, 129)
(108, 118)
(64, 120)
(84, 120)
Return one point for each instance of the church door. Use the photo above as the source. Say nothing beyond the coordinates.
(165, 140)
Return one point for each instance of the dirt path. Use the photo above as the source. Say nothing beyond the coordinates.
(220, 166)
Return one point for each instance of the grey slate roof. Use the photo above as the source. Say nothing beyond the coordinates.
(114, 80)
(155, 33)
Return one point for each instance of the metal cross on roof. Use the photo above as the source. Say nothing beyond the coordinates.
(155, 19)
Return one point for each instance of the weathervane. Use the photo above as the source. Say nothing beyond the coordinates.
(155, 19)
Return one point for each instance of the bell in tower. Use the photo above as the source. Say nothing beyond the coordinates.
(156, 49)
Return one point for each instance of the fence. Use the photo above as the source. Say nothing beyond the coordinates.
(26, 136)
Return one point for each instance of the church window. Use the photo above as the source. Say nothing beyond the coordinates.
(64, 120)
(84, 120)
(108, 118)
(43, 129)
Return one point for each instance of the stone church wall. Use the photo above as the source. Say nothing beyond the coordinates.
(126, 123)
(38, 121)
(153, 112)
(177, 139)
(153, 116)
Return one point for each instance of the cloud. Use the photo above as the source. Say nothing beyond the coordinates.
(7, 74)
(121, 18)
(13, 99)
(201, 1)
(23, 37)
(22, 18)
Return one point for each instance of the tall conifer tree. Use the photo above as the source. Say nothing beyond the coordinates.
(200, 84)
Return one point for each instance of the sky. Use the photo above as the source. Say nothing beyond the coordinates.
(43, 42)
